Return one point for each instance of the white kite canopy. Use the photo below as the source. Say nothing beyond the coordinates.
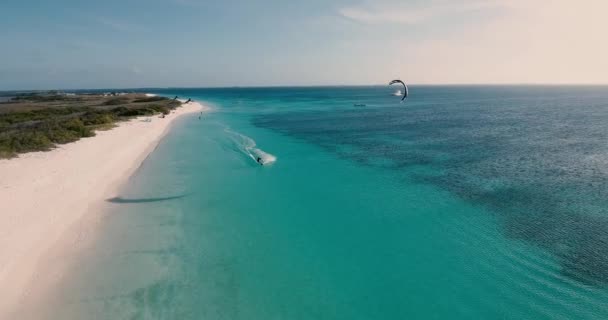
(405, 91)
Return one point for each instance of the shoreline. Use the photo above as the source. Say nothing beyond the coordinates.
(51, 201)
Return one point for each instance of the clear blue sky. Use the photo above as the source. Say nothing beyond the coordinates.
(159, 43)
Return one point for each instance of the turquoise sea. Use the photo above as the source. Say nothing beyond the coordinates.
(465, 202)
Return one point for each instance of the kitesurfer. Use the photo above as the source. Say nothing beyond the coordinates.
(405, 91)
(259, 160)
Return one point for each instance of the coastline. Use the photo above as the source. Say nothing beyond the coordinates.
(52, 199)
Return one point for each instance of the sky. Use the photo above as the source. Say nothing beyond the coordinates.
(66, 44)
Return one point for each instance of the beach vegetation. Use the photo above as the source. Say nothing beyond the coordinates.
(34, 123)
(149, 99)
(116, 101)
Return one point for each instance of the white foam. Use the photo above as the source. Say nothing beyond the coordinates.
(266, 158)
(248, 147)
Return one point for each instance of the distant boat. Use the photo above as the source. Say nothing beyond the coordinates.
(398, 93)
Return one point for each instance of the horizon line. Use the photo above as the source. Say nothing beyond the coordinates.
(313, 86)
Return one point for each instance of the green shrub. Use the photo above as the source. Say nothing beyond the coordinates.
(119, 110)
(135, 112)
(6, 150)
(150, 99)
(159, 108)
(11, 118)
(174, 104)
(73, 124)
(97, 118)
(116, 101)
(77, 126)
(62, 136)
(26, 141)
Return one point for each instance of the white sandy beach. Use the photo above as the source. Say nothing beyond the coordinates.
(45, 196)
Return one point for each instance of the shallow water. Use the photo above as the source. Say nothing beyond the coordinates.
(464, 202)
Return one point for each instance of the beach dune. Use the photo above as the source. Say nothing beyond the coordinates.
(46, 196)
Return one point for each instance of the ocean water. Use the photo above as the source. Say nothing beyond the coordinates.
(464, 202)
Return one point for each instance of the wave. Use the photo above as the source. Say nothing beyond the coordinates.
(248, 147)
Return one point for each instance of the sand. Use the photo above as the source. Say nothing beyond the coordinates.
(46, 196)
